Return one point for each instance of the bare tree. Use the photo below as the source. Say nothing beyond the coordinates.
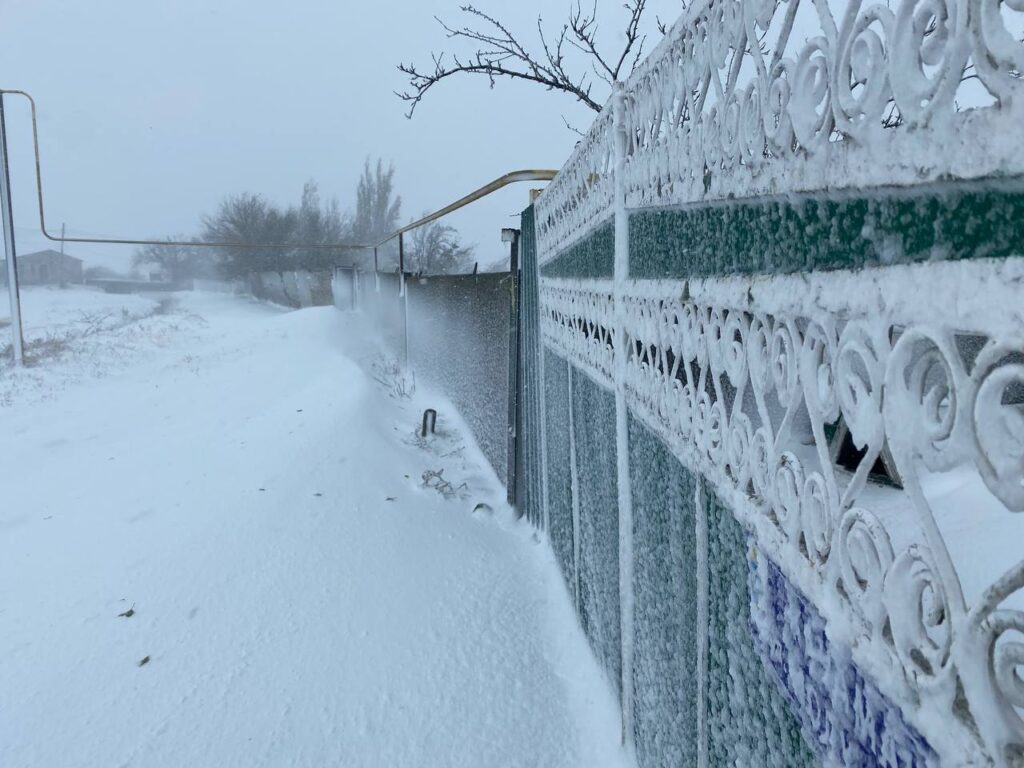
(378, 211)
(318, 224)
(248, 219)
(176, 262)
(378, 208)
(436, 249)
(500, 54)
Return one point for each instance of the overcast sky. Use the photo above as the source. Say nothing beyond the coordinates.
(151, 112)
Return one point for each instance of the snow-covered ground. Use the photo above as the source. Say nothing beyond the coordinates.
(222, 492)
(77, 309)
(79, 333)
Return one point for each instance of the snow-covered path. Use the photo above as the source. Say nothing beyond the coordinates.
(301, 599)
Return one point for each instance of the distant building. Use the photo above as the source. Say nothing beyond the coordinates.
(47, 267)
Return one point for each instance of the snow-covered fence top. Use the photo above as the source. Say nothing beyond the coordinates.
(764, 98)
(791, 248)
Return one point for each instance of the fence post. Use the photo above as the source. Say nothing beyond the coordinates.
(514, 415)
(403, 293)
(621, 275)
(17, 339)
(574, 486)
(541, 381)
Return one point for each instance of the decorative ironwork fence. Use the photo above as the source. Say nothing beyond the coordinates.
(776, 431)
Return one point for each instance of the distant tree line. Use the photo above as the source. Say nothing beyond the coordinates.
(268, 237)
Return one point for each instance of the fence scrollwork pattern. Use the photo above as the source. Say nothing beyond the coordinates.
(749, 392)
(753, 97)
(755, 381)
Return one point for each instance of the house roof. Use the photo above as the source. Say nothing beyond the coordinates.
(49, 253)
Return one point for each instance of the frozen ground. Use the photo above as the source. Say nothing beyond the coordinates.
(51, 310)
(80, 333)
(227, 475)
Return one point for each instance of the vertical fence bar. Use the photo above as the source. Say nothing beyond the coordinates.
(533, 265)
(574, 486)
(514, 379)
(621, 275)
(542, 410)
(17, 338)
(701, 520)
(403, 293)
(376, 271)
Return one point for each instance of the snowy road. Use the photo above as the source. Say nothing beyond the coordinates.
(233, 487)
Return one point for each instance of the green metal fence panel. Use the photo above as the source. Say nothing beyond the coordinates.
(594, 434)
(559, 469)
(749, 720)
(665, 671)
(591, 257)
(947, 221)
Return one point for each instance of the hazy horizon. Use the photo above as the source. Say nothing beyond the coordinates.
(150, 115)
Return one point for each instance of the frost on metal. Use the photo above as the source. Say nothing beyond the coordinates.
(748, 721)
(862, 415)
(593, 411)
(758, 97)
(561, 528)
(749, 379)
(843, 714)
(582, 195)
(589, 314)
(665, 676)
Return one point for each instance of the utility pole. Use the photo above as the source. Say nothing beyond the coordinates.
(7, 211)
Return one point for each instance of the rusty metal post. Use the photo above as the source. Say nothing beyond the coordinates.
(429, 418)
(18, 341)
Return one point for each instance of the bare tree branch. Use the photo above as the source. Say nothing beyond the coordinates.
(500, 54)
(573, 128)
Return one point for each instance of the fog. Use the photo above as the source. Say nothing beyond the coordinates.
(151, 113)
